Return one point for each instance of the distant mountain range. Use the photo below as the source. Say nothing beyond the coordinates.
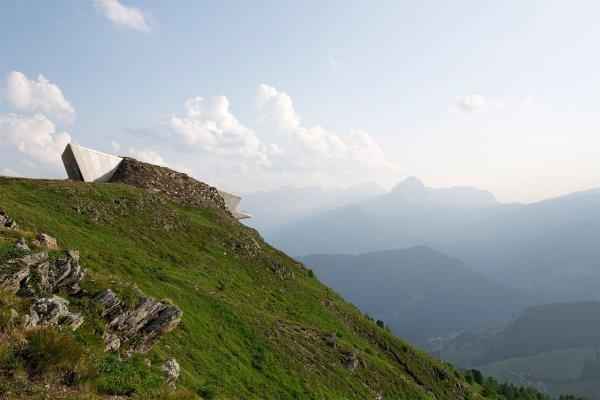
(418, 292)
(275, 208)
(555, 347)
(549, 248)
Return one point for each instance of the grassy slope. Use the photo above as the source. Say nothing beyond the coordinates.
(247, 332)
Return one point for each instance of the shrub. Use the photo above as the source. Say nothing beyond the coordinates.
(49, 349)
(8, 359)
(126, 377)
(208, 392)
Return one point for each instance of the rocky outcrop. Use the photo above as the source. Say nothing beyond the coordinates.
(171, 370)
(22, 245)
(52, 311)
(177, 186)
(350, 360)
(139, 327)
(35, 275)
(6, 221)
(45, 240)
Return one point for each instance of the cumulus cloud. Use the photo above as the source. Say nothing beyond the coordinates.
(10, 172)
(276, 107)
(319, 146)
(119, 14)
(38, 95)
(147, 155)
(471, 103)
(209, 125)
(35, 136)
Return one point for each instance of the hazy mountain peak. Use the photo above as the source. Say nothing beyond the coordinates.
(411, 185)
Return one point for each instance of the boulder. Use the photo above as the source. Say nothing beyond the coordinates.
(36, 275)
(6, 221)
(171, 370)
(65, 273)
(140, 326)
(52, 311)
(22, 245)
(110, 303)
(350, 360)
(112, 343)
(47, 241)
(15, 272)
(330, 339)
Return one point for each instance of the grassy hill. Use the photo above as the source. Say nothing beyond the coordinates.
(256, 324)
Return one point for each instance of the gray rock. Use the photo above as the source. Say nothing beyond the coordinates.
(47, 241)
(350, 360)
(330, 340)
(34, 275)
(144, 324)
(171, 370)
(53, 311)
(112, 343)
(66, 273)
(15, 272)
(110, 303)
(6, 221)
(22, 245)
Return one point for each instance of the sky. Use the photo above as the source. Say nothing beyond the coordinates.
(504, 96)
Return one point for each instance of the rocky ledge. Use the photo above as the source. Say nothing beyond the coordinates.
(177, 186)
(139, 326)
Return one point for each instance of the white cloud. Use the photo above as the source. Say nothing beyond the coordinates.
(10, 172)
(35, 136)
(119, 14)
(37, 96)
(276, 107)
(319, 146)
(147, 155)
(209, 125)
(471, 103)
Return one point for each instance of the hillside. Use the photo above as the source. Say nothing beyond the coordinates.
(255, 324)
(403, 288)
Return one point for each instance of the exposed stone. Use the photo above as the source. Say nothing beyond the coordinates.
(53, 311)
(22, 245)
(47, 241)
(112, 343)
(143, 325)
(171, 370)
(282, 271)
(111, 304)
(330, 339)
(16, 271)
(6, 221)
(66, 273)
(177, 186)
(350, 360)
(35, 275)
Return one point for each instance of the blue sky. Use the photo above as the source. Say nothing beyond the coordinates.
(504, 96)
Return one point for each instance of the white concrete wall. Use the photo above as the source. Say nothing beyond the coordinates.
(233, 202)
(92, 165)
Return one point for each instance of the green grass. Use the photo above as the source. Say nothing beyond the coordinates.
(248, 331)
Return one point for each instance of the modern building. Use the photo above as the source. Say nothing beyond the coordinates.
(87, 165)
